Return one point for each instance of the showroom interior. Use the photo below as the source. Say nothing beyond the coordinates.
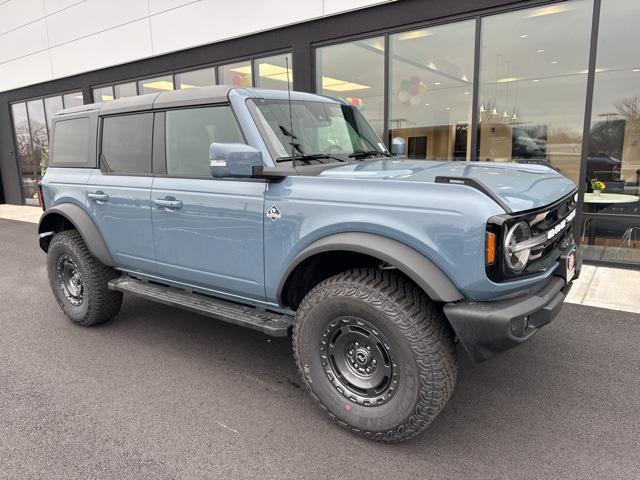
(554, 83)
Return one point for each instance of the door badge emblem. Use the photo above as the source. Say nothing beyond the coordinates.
(274, 213)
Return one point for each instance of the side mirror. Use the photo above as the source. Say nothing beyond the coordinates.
(234, 160)
(397, 146)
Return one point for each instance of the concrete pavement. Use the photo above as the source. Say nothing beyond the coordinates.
(160, 393)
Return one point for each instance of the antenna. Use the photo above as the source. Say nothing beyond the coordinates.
(293, 155)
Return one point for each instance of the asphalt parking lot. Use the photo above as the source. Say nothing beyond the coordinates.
(160, 393)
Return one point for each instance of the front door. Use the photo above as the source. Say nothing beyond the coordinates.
(208, 233)
(119, 194)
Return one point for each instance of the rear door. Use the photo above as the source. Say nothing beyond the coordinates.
(119, 193)
(208, 232)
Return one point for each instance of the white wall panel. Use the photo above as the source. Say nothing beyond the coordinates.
(25, 71)
(52, 6)
(24, 40)
(157, 6)
(16, 13)
(93, 16)
(47, 39)
(118, 45)
(332, 7)
(214, 20)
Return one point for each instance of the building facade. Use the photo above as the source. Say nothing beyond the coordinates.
(553, 82)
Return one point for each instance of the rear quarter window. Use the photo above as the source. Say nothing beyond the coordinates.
(71, 139)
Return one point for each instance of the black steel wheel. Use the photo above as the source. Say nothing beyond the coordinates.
(79, 281)
(375, 353)
(70, 280)
(359, 361)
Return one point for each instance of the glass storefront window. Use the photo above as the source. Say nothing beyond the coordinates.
(155, 85)
(39, 136)
(237, 74)
(611, 229)
(52, 105)
(533, 82)
(354, 71)
(24, 154)
(73, 99)
(103, 94)
(125, 90)
(431, 90)
(196, 78)
(273, 73)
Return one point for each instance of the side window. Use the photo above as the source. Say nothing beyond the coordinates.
(71, 141)
(189, 132)
(126, 143)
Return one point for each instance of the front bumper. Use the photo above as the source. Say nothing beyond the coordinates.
(488, 328)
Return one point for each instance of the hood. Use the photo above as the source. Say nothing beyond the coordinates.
(519, 186)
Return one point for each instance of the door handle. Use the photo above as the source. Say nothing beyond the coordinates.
(169, 203)
(98, 196)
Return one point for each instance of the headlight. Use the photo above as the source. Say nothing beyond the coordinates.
(516, 255)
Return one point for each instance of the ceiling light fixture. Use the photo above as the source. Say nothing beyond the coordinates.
(336, 85)
(524, 35)
(437, 83)
(415, 34)
(554, 62)
(159, 85)
(541, 50)
(508, 79)
(551, 10)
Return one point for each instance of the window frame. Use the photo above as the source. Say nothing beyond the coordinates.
(101, 165)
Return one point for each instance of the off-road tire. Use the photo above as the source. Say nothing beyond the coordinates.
(98, 303)
(421, 342)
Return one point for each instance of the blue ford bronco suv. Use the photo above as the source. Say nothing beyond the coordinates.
(284, 212)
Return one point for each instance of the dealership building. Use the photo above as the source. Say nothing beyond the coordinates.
(470, 80)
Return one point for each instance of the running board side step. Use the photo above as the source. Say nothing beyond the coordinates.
(269, 323)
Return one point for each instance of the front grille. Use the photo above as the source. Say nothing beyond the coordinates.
(546, 254)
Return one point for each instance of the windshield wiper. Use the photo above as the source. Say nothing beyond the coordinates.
(311, 157)
(368, 153)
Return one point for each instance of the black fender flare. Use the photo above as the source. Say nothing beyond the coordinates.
(82, 222)
(426, 274)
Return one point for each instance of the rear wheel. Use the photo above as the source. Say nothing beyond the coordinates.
(375, 353)
(79, 281)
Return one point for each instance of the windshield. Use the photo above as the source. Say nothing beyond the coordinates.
(326, 130)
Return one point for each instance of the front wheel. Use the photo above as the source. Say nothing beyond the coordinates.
(375, 353)
(79, 281)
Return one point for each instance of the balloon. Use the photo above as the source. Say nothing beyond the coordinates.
(413, 89)
(245, 82)
(237, 79)
(404, 84)
(403, 96)
(422, 88)
(414, 81)
(415, 101)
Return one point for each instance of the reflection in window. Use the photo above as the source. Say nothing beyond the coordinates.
(533, 85)
(26, 159)
(196, 78)
(73, 99)
(39, 136)
(430, 91)
(155, 85)
(612, 203)
(355, 72)
(103, 94)
(52, 105)
(125, 90)
(237, 74)
(273, 73)
(190, 132)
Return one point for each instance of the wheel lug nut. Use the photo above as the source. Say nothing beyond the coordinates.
(374, 361)
(350, 352)
(368, 347)
(357, 344)
(368, 370)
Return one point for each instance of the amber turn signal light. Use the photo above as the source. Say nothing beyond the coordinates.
(490, 248)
